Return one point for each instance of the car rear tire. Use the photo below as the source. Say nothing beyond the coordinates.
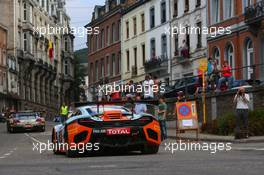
(70, 153)
(150, 149)
(42, 129)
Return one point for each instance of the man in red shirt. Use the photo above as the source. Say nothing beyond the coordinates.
(226, 76)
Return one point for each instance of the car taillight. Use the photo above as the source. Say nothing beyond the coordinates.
(16, 121)
(38, 120)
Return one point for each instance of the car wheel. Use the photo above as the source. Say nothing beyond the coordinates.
(69, 152)
(7, 128)
(12, 130)
(150, 149)
(55, 143)
(43, 129)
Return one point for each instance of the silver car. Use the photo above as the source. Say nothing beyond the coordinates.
(25, 121)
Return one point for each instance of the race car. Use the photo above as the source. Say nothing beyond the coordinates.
(25, 121)
(104, 127)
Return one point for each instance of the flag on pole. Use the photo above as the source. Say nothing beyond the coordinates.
(50, 50)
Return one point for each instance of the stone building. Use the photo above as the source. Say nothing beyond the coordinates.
(40, 78)
(244, 47)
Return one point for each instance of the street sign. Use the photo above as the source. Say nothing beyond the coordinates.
(187, 118)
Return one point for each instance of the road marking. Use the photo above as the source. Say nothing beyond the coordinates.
(248, 149)
(102, 166)
(8, 153)
(2, 157)
(32, 138)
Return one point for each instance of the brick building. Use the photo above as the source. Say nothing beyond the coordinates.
(104, 48)
(244, 46)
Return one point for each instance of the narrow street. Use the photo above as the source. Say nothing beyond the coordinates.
(17, 157)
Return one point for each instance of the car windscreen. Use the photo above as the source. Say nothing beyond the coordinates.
(26, 116)
(99, 110)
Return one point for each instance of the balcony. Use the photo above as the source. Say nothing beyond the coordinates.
(254, 14)
(156, 64)
(182, 58)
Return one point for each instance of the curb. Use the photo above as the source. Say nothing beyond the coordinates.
(220, 140)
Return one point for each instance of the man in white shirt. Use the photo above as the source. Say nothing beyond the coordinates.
(148, 88)
(140, 108)
(241, 102)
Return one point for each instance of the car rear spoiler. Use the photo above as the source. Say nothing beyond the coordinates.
(102, 103)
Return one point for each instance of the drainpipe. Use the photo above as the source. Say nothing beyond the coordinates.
(170, 59)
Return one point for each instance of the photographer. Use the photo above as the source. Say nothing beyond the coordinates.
(241, 102)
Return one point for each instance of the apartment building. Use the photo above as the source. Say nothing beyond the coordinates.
(104, 47)
(144, 41)
(244, 46)
(38, 77)
(188, 47)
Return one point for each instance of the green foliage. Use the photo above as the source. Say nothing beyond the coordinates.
(225, 125)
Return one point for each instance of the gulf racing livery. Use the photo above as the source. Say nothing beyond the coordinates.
(106, 126)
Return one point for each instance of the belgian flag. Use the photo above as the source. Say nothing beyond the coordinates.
(51, 50)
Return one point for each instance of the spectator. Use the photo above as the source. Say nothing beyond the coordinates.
(184, 50)
(128, 103)
(130, 89)
(181, 97)
(162, 111)
(156, 84)
(148, 88)
(210, 74)
(140, 108)
(63, 112)
(226, 76)
(241, 102)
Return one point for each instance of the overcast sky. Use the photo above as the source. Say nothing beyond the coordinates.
(80, 12)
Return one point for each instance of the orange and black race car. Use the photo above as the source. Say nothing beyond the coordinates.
(98, 127)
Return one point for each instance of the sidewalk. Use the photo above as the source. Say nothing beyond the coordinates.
(191, 135)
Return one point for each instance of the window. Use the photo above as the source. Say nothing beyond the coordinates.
(25, 12)
(175, 8)
(113, 65)
(198, 3)
(102, 38)
(152, 48)
(102, 68)
(135, 56)
(228, 8)
(119, 62)
(108, 65)
(66, 67)
(118, 34)
(91, 72)
(127, 29)
(31, 14)
(128, 60)
(30, 44)
(143, 22)
(176, 45)
(246, 3)
(96, 71)
(25, 42)
(135, 25)
(215, 11)
(113, 33)
(66, 44)
(230, 55)
(163, 12)
(216, 55)
(164, 45)
(186, 6)
(96, 42)
(107, 36)
(249, 59)
(143, 47)
(152, 17)
(199, 35)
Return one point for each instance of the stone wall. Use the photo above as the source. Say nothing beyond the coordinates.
(218, 104)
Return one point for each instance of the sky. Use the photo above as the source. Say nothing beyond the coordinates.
(80, 12)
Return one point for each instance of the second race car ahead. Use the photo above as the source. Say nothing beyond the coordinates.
(106, 126)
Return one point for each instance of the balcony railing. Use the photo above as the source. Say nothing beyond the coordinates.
(254, 13)
(156, 64)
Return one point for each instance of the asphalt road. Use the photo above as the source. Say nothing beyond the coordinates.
(17, 157)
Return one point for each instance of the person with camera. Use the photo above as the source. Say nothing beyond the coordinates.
(241, 102)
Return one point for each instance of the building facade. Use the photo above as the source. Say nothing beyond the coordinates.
(144, 41)
(3, 66)
(187, 14)
(104, 47)
(243, 48)
(40, 60)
